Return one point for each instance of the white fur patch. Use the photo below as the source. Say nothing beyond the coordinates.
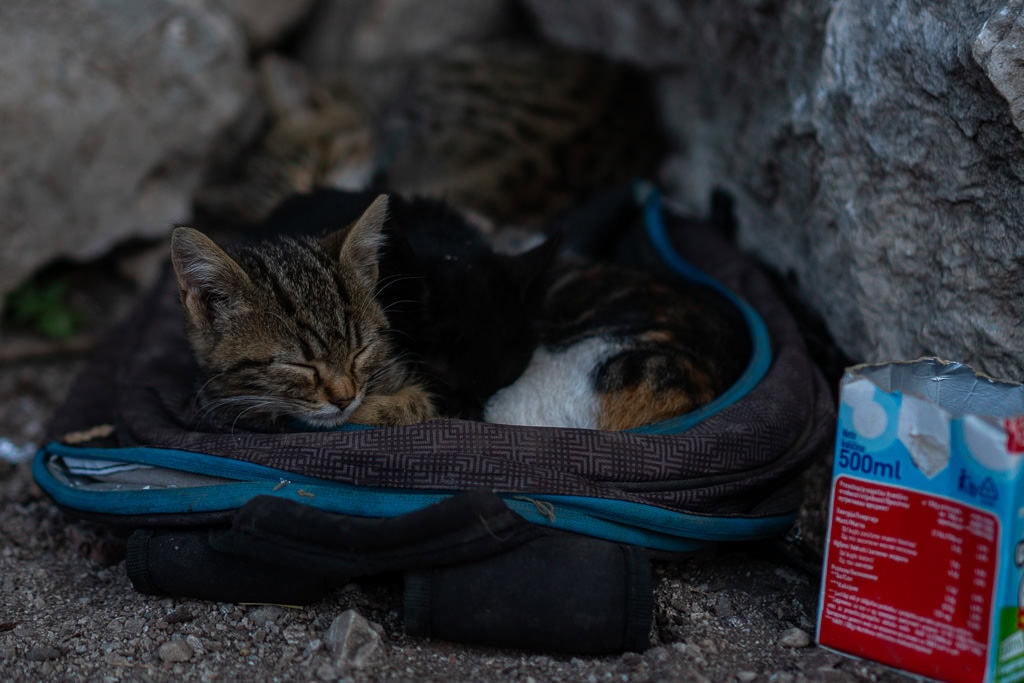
(555, 390)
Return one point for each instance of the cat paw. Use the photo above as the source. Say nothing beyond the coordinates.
(408, 405)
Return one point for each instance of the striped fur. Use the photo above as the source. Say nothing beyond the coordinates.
(291, 330)
(512, 132)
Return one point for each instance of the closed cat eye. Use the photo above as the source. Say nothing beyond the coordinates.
(363, 349)
(356, 356)
(305, 369)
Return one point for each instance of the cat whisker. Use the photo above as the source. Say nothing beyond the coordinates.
(392, 280)
(202, 390)
(371, 380)
(247, 403)
(391, 305)
(238, 417)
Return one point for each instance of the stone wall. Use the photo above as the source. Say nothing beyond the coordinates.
(111, 111)
(108, 111)
(873, 148)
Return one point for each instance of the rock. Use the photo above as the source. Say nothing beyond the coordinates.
(375, 31)
(408, 28)
(352, 640)
(999, 50)
(692, 651)
(266, 614)
(723, 606)
(175, 651)
(181, 615)
(873, 150)
(266, 21)
(43, 653)
(196, 644)
(651, 33)
(110, 108)
(795, 637)
(295, 634)
(326, 672)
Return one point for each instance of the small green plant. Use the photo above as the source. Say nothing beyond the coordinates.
(43, 309)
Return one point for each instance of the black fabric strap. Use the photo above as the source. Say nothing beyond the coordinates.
(181, 562)
(277, 550)
(556, 593)
(475, 571)
(465, 527)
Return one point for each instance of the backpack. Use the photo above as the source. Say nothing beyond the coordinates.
(472, 513)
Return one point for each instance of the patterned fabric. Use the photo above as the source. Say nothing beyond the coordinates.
(744, 460)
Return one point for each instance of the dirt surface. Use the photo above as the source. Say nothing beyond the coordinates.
(69, 612)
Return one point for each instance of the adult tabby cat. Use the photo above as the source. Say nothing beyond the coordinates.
(402, 316)
(511, 131)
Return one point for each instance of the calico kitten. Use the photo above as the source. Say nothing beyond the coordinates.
(619, 347)
(510, 131)
(292, 329)
(403, 316)
(620, 350)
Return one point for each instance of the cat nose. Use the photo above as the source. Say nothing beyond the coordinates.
(343, 402)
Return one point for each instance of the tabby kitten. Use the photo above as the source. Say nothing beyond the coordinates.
(404, 316)
(459, 312)
(292, 330)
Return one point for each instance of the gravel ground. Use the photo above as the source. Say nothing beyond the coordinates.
(743, 613)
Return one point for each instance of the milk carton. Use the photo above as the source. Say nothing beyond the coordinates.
(923, 567)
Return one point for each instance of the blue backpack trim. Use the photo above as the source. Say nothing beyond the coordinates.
(761, 352)
(617, 520)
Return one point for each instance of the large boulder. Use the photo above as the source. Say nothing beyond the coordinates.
(267, 21)
(874, 149)
(385, 31)
(109, 109)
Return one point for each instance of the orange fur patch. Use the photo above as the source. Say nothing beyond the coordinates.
(641, 404)
(408, 405)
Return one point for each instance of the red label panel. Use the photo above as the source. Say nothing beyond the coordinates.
(1014, 434)
(909, 580)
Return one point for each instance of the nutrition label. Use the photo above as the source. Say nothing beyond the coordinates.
(910, 579)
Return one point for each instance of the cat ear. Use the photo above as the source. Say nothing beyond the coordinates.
(207, 276)
(358, 247)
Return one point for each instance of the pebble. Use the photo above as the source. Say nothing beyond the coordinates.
(693, 651)
(43, 653)
(353, 640)
(795, 637)
(195, 644)
(709, 646)
(175, 651)
(179, 616)
(295, 634)
(266, 613)
(326, 672)
(746, 676)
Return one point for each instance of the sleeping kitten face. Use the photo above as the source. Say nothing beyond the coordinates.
(290, 328)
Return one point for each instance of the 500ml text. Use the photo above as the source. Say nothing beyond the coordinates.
(863, 462)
